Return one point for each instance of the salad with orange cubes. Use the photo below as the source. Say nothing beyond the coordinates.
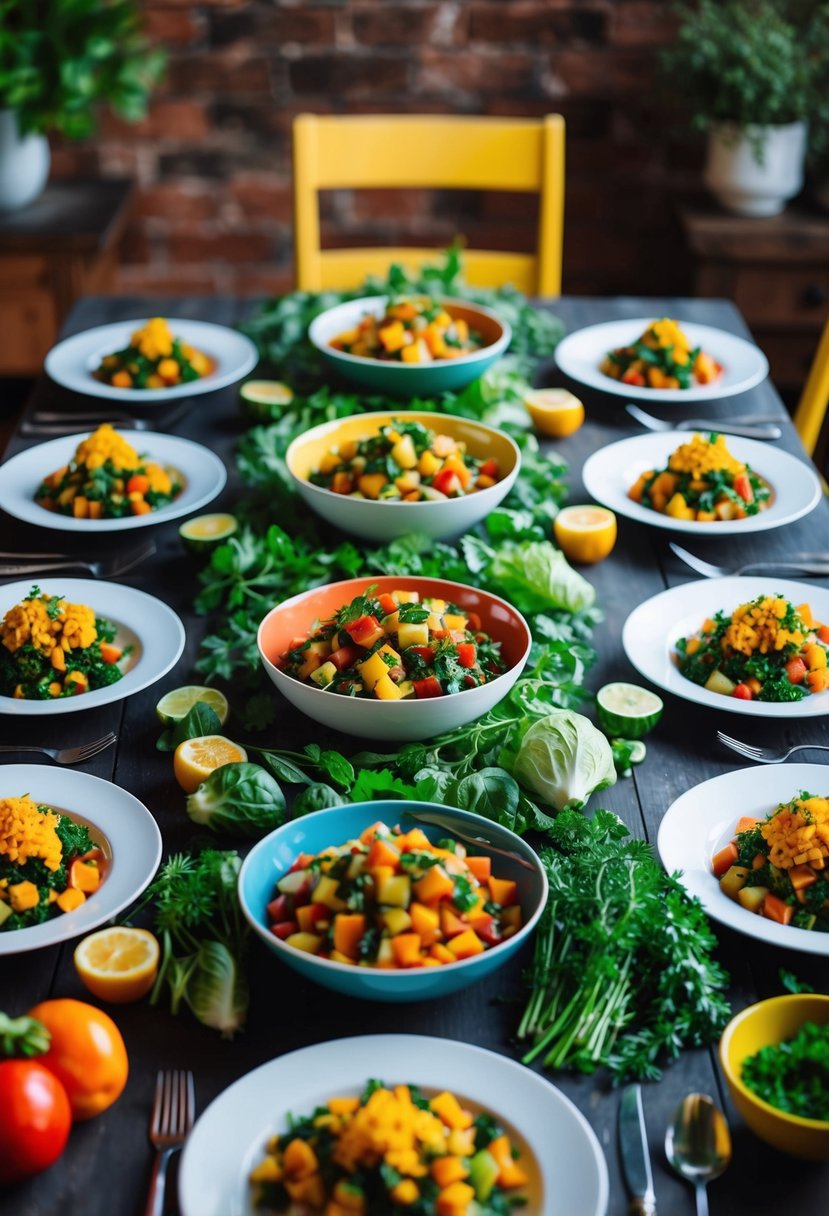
(393, 899)
(662, 357)
(411, 330)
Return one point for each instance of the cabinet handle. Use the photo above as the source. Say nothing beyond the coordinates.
(814, 295)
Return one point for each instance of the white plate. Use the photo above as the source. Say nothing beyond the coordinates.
(609, 473)
(230, 1136)
(703, 820)
(652, 630)
(120, 824)
(202, 471)
(142, 621)
(580, 354)
(72, 362)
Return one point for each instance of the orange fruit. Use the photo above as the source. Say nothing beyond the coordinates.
(118, 964)
(585, 534)
(195, 759)
(555, 411)
(86, 1054)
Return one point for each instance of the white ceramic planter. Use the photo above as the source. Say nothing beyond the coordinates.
(748, 187)
(24, 164)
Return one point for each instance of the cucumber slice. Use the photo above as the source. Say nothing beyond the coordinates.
(205, 532)
(638, 751)
(627, 710)
(260, 398)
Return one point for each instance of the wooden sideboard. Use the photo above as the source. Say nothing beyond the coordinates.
(63, 246)
(776, 271)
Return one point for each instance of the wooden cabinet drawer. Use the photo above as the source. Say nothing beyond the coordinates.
(783, 295)
(28, 322)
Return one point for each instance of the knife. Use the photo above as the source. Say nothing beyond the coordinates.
(633, 1144)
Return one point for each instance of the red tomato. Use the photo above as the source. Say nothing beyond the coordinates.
(742, 692)
(35, 1118)
(467, 653)
(489, 468)
(364, 631)
(344, 656)
(796, 671)
(447, 482)
(430, 687)
(632, 376)
(742, 486)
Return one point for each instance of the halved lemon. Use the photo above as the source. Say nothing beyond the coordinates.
(585, 534)
(118, 964)
(206, 531)
(177, 703)
(195, 759)
(554, 411)
(258, 397)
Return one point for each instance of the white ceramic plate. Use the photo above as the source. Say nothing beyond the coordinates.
(120, 824)
(203, 474)
(609, 473)
(72, 362)
(652, 630)
(580, 354)
(703, 820)
(230, 1136)
(143, 622)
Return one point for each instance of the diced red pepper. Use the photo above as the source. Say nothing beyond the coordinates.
(489, 468)
(285, 928)
(365, 631)
(632, 376)
(279, 908)
(430, 687)
(467, 654)
(796, 671)
(447, 482)
(296, 643)
(473, 621)
(424, 652)
(388, 604)
(489, 932)
(302, 862)
(742, 692)
(742, 486)
(344, 657)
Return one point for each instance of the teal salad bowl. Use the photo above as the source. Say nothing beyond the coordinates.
(273, 856)
(406, 380)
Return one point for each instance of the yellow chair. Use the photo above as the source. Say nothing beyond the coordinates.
(811, 409)
(439, 152)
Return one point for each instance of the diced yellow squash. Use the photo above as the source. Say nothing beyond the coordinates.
(717, 682)
(678, 508)
(396, 920)
(70, 899)
(403, 453)
(375, 667)
(391, 623)
(324, 675)
(428, 464)
(309, 942)
(733, 881)
(406, 688)
(406, 597)
(416, 352)
(413, 634)
(330, 461)
(752, 898)
(23, 896)
(395, 890)
(325, 892)
(386, 690)
(455, 620)
(6, 911)
(370, 484)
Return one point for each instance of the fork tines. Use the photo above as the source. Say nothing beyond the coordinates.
(747, 749)
(174, 1106)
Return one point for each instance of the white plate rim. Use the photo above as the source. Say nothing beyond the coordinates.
(67, 363)
(220, 1148)
(672, 614)
(695, 825)
(774, 464)
(159, 629)
(204, 471)
(121, 817)
(717, 342)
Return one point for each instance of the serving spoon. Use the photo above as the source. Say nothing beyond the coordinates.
(698, 1144)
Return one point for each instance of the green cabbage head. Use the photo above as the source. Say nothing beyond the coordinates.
(563, 759)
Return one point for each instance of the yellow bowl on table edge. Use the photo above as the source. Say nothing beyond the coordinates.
(762, 1025)
(381, 520)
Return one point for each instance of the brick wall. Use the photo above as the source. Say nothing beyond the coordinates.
(212, 159)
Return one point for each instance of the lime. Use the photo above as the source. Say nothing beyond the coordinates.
(258, 397)
(638, 751)
(176, 704)
(203, 533)
(627, 710)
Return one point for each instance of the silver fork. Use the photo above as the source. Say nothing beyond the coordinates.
(749, 426)
(816, 564)
(46, 563)
(67, 755)
(767, 755)
(174, 1111)
(54, 422)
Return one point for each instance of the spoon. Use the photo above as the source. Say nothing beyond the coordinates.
(698, 1144)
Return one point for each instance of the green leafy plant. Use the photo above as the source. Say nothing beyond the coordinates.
(745, 63)
(60, 59)
(240, 799)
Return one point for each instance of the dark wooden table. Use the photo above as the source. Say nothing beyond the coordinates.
(108, 1159)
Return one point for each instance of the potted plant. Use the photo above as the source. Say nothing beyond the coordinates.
(751, 72)
(59, 60)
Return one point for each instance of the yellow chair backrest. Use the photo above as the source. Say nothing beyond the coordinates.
(439, 152)
(811, 409)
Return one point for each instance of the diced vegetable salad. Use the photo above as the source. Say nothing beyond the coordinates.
(414, 330)
(108, 479)
(662, 357)
(702, 482)
(51, 648)
(48, 863)
(776, 866)
(155, 358)
(393, 646)
(391, 1150)
(765, 650)
(393, 899)
(405, 462)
